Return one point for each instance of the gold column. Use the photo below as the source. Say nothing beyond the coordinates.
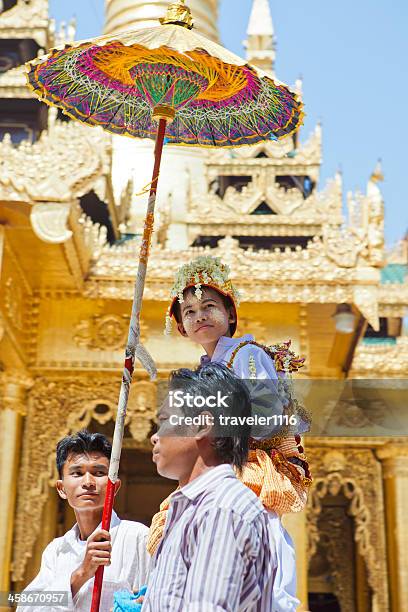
(296, 526)
(362, 588)
(46, 534)
(13, 389)
(394, 458)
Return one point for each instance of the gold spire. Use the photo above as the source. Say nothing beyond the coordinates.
(377, 175)
(179, 14)
(260, 44)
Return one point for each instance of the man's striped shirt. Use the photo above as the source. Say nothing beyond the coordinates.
(221, 551)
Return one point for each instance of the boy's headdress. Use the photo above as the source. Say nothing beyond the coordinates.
(204, 271)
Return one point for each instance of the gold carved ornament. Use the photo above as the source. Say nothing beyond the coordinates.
(102, 332)
(357, 475)
(29, 18)
(14, 303)
(391, 360)
(271, 270)
(77, 156)
(14, 385)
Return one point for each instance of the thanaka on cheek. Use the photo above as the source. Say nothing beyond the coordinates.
(218, 317)
(188, 324)
(214, 317)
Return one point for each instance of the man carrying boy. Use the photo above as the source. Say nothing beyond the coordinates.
(69, 563)
(220, 551)
(204, 306)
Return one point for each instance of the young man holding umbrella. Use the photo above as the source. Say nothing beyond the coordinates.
(69, 563)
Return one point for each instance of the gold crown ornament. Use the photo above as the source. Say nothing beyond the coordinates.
(204, 271)
(178, 14)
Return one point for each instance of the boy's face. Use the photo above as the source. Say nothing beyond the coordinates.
(84, 481)
(173, 455)
(206, 320)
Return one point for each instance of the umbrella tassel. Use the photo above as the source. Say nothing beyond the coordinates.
(145, 189)
(131, 350)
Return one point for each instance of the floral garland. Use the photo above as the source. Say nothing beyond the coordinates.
(284, 359)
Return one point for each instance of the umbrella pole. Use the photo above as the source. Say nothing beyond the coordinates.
(133, 341)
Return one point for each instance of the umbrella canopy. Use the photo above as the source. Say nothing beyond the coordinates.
(218, 99)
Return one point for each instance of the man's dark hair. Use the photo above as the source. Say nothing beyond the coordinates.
(226, 300)
(231, 444)
(79, 443)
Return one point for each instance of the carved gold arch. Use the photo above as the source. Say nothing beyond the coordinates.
(357, 475)
(56, 407)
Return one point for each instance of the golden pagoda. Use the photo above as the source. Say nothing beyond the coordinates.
(70, 230)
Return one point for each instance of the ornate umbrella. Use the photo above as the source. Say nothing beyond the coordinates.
(165, 81)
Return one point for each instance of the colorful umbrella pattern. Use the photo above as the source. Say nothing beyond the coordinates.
(219, 99)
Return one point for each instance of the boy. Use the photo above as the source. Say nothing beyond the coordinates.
(204, 305)
(216, 553)
(69, 563)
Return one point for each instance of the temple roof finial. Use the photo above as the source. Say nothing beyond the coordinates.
(299, 86)
(260, 43)
(260, 21)
(126, 15)
(178, 14)
(377, 176)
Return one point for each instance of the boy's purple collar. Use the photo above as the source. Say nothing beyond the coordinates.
(223, 345)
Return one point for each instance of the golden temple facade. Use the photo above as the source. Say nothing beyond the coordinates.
(70, 231)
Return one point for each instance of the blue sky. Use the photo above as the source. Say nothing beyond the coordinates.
(352, 56)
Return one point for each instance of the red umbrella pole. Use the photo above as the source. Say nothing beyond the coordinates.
(131, 349)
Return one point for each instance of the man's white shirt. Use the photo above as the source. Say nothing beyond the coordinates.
(129, 567)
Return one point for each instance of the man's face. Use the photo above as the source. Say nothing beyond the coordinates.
(173, 455)
(84, 480)
(206, 320)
